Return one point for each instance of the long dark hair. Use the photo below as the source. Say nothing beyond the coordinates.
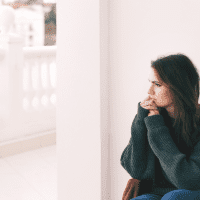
(182, 78)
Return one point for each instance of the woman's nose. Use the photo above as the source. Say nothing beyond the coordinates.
(151, 91)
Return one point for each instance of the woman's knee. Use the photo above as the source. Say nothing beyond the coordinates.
(147, 197)
(182, 194)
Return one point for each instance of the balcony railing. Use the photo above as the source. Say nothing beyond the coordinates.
(27, 88)
(29, 98)
(39, 81)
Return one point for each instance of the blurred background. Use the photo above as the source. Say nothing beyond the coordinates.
(36, 20)
(28, 99)
(27, 74)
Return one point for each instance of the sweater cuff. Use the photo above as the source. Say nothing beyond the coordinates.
(154, 121)
(142, 112)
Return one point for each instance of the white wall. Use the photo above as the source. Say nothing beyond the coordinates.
(139, 31)
(82, 100)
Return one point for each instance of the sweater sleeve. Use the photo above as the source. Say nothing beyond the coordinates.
(181, 172)
(135, 156)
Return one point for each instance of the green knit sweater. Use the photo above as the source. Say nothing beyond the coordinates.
(154, 157)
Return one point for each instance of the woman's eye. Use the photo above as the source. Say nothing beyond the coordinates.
(157, 85)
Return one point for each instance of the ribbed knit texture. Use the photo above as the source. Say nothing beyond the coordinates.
(153, 157)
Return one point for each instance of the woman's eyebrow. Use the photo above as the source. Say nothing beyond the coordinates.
(154, 81)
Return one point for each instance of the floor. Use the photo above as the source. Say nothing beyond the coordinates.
(29, 176)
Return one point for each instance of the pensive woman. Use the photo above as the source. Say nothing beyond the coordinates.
(163, 154)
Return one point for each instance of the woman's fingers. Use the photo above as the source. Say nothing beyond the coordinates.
(130, 193)
(148, 103)
(151, 107)
(136, 192)
(126, 191)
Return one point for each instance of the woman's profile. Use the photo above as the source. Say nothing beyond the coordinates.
(163, 154)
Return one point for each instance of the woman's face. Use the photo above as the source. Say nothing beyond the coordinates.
(159, 91)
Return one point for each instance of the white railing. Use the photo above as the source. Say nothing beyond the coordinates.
(39, 81)
(27, 87)
(30, 104)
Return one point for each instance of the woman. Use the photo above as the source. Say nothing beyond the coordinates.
(163, 155)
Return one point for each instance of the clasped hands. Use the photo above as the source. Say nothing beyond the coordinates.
(150, 105)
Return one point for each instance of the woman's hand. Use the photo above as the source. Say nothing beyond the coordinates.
(153, 112)
(132, 189)
(150, 105)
